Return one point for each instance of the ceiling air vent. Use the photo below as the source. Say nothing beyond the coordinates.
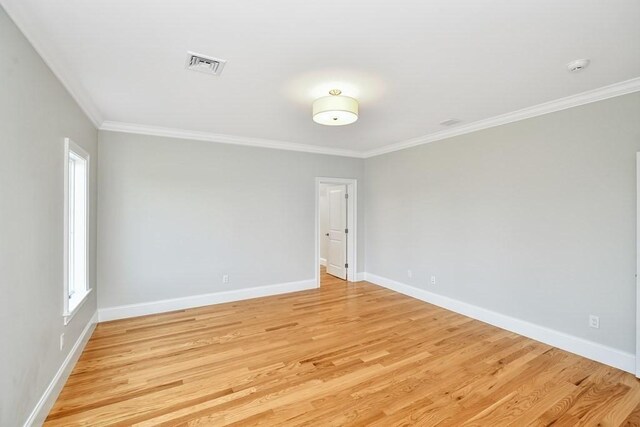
(204, 64)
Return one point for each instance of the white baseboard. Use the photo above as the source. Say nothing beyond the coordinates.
(580, 346)
(360, 277)
(44, 405)
(163, 306)
(323, 261)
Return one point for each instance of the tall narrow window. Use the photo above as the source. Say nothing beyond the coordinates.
(76, 227)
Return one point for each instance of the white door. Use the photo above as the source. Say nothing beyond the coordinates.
(337, 246)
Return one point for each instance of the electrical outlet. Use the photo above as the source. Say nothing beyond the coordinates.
(409, 274)
(61, 341)
(433, 280)
(594, 321)
(225, 278)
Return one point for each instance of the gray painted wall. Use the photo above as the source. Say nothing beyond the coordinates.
(36, 113)
(175, 215)
(534, 219)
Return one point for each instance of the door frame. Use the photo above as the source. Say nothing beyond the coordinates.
(637, 265)
(352, 225)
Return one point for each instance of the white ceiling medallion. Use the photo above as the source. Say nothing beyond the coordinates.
(335, 109)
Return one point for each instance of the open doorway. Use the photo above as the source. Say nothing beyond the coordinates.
(333, 224)
(335, 230)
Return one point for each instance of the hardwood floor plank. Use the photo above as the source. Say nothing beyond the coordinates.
(344, 354)
(633, 419)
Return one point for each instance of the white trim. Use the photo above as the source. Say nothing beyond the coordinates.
(361, 276)
(617, 89)
(637, 367)
(163, 306)
(224, 139)
(69, 145)
(44, 405)
(599, 94)
(69, 316)
(352, 221)
(42, 45)
(323, 261)
(589, 349)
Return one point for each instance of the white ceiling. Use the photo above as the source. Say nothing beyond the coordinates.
(412, 64)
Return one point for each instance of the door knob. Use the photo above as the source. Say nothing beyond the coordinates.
(327, 234)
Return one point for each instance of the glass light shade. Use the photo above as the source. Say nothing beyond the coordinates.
(335, 110)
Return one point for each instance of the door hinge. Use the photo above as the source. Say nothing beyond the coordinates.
(346, 266)
(346, 196)
(346, 231)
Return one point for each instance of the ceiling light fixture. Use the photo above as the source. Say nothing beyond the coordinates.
(335, 109)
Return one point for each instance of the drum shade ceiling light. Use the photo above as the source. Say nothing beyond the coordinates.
(335, 109)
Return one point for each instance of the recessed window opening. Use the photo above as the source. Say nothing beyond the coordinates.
(76, 226)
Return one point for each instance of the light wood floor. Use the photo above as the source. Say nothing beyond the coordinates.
(344, 354)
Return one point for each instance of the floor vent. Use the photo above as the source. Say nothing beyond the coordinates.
(204, 64)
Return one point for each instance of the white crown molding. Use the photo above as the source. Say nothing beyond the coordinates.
(617, 89)
(580, 346)
(224, 139)
(42, 46)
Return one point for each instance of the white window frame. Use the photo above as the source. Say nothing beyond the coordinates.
(72, 304)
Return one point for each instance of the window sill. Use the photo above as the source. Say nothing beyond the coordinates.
(69, 315)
